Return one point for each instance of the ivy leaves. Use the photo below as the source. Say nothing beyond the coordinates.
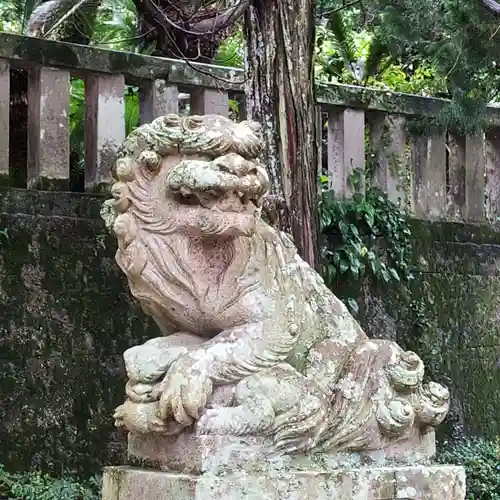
(35, 485)
(366, 236)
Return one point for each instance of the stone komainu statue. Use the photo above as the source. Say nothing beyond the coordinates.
(254, 343)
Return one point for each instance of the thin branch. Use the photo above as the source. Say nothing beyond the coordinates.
(350, 4)
(162, 21)
(208, 73)
(220, 22)
(121, 40)
(195, 68)
(494, 33)
(492, 6)
(454, 65)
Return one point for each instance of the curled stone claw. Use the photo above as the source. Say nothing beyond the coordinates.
(407, 372)
(395, 417)
(141, 418)
(140, 393)
(431, 404)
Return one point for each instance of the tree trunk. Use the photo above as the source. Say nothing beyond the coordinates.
(280, 36)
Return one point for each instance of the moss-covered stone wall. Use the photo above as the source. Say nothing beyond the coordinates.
(450, 315)
(65, 319)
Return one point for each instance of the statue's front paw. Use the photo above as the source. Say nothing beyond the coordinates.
(140, 393)
(140, 418)
(184, 391)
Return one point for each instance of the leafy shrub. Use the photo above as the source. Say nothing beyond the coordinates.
(481, 459)
(39, 486)
(366, 236)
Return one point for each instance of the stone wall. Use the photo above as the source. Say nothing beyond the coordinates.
(67, 316)
(450, 316)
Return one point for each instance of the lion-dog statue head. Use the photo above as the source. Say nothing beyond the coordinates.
(188, 193)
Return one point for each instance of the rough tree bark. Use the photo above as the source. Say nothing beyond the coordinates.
(280, 37)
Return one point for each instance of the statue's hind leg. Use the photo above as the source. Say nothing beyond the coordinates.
(279, 403)
(252, 413)
(250, 416)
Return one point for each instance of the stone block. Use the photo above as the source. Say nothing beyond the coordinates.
(370, 483)
(188, 453)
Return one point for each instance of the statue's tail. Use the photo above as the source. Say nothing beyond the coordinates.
(380, 401)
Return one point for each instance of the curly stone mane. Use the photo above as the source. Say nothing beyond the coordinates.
(209, 135)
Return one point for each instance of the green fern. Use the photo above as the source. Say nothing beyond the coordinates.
(343, 37)
(231, 51)
(377, 59)
(116, 27)
(22, 10)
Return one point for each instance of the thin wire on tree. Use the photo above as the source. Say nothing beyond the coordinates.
(342, 7)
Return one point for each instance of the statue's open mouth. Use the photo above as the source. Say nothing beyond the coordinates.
(227, 184)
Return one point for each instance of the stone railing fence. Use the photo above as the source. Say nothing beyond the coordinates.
(438, 177)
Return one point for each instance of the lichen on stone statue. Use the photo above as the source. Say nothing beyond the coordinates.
(253, 343)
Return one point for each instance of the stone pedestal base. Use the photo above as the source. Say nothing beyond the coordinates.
(437, 482)
(191, 454)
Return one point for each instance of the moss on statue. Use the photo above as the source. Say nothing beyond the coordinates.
(449, 316)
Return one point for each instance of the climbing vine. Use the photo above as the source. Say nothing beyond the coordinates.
(366, 236)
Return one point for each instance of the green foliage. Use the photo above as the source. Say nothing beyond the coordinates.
(461, 41)
(423, 333)
(343, 37)
(39, 486)
(366, 236)
(113, 26)
(429, 47)
(481, 459)
(116, 27)
(352, 56)
(352, 51)
(14, 15)
(131, 109)
(77, 123)
(231, 51)
(346, 53)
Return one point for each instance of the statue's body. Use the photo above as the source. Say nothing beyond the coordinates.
(254, 342)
